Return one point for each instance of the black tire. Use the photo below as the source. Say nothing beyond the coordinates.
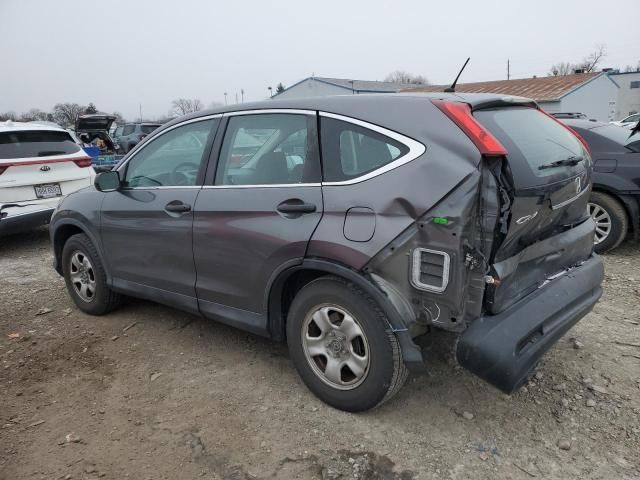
(385, 373)
(103, 299)
(619, 220)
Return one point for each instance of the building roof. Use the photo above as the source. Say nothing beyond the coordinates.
(359, 86)
(538, 88)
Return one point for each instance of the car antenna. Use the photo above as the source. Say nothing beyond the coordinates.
(452, 88)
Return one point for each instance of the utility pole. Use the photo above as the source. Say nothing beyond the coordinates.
(225, 98)
(508, 70)
(236, 97)
(140, 105)
(270, 91)
(242, 93)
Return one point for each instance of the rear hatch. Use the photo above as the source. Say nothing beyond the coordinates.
(545, 186)
(94, 123)
(39, 164)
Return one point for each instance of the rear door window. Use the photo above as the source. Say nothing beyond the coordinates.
(533, 140)
(268, 149)
(350, 151)
(128, 130)
(36, 143)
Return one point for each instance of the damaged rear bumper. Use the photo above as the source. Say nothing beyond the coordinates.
(503, 349)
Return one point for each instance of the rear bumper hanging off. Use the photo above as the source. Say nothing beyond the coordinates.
(503, 349)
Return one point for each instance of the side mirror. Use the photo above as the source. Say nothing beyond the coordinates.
(107, 181)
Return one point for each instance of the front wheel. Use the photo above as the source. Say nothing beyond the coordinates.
(611, 221)
(85, 277)
(341, 346)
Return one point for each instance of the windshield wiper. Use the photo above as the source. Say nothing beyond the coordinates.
(566, 162)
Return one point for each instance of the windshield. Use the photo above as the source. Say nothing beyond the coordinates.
(620, 135)
(36, 143)
(533, 140)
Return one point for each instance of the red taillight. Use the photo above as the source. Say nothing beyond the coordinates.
(582, 140)
(82, 162)
(460, 114)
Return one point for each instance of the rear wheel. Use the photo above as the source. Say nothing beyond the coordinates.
(340, 344)
(611, 221)
(85, 277)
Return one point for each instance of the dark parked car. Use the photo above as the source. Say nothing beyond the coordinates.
(350, 226)
(129, 135)
(569, 115)
(614, 203)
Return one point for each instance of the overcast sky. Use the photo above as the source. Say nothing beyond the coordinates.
(120, 54)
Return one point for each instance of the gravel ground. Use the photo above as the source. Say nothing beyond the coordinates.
(148, 392)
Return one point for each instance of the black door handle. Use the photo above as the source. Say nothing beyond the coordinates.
(292, 206)
(177, 207)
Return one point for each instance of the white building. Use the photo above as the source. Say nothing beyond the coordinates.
(594, 94)
(628, 93)
(321, 86)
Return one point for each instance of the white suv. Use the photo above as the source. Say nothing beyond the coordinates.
(39, 164)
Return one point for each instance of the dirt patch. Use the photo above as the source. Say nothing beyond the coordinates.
(151, 392)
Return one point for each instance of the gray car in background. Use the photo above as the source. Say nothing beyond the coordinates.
(129, 135)
(351, 227)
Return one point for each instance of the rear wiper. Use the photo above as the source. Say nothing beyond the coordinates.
(567, 162)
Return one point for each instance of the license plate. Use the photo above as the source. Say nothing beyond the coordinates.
(48, 190)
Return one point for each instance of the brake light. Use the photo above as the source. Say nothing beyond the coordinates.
(82, 162)
(460, 114)
(578, 136)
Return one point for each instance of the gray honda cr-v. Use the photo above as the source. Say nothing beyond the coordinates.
(350, 226)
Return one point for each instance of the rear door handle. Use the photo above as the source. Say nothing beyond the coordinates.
(296, 206)
(177, 207)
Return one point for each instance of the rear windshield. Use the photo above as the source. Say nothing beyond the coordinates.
(620, 135)
(533, 140)
(148, 128)
(36, 143)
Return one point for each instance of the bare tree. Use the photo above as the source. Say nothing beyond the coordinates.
(215, 104)
(400, 76)
(34, 114)
(280, 88)
(561, 69)
(8, 116)
(587, 65)
(182, 106)
(590, 62)
(66, 114)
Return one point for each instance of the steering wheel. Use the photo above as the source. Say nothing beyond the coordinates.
(184, 173)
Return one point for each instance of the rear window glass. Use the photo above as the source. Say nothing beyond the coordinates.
(620, 135)
(36, 143)
(533, 140)
(148, 128)
(350, 151)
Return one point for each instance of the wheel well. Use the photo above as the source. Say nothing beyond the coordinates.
(282, 294)
(62, 234)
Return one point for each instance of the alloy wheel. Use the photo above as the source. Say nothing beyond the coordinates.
(603, 222)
